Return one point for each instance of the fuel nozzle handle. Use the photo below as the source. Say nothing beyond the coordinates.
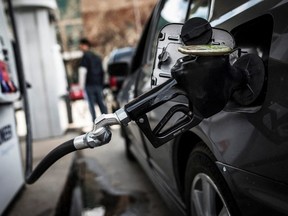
(152, 99)
(138, 109)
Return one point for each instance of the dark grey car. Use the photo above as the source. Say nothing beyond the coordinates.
(235, 162)
(116, 79)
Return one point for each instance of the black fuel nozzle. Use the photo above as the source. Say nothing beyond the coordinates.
(208, 82)
(203, 73)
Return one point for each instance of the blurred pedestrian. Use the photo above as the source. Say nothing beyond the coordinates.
(91, 77)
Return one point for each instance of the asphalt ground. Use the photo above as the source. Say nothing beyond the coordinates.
(121, 181)
(41, 198)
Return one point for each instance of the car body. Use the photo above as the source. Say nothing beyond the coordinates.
(247, 144)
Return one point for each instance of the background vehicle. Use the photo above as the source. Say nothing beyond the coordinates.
(116, 80)
(233, 163)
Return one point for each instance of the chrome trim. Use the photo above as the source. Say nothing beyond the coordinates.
(211, 10)
(235, 12)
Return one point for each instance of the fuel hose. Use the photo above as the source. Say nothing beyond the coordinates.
(57, 153)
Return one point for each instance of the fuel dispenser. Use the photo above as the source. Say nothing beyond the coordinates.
(194, 60)
(11, 177)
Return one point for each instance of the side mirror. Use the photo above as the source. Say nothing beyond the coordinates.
(118, 69)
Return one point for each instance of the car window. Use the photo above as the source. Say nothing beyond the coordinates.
(174, 11)
(199, 8)
(226, 6)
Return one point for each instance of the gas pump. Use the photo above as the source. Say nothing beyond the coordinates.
(11, 177)
(195, 61)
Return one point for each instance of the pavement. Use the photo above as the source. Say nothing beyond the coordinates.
(42, 197)
(126, 190)
(100, 181)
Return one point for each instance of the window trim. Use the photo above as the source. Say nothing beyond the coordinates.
(152, 31)
(211, 10)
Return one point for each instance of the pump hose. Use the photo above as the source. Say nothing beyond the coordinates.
(60, 151)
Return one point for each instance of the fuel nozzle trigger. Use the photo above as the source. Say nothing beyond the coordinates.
(137, 111)
(158, 136)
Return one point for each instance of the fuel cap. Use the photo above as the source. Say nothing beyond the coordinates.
(196, 31)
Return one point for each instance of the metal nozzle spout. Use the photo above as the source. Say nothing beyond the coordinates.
(117, 118)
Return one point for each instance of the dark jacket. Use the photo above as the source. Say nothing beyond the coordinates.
(93, 64)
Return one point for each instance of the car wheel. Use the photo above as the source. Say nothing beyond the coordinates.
(206, 191)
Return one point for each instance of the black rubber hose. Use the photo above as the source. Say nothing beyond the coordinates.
(60, 151)
(23, 90)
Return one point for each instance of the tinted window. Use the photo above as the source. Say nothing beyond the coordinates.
(225, 6)
(174, 11)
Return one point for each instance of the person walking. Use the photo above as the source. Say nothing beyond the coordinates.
(91, 78)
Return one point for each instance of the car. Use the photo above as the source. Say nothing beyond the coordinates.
(235, 161)
(116, 79)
